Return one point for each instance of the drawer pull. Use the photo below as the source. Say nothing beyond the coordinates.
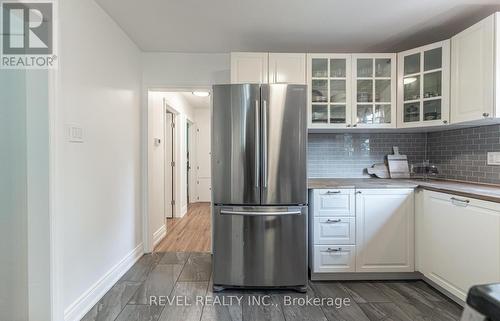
(454, 199)
(330, 250)
(333, 192)
(333, 221)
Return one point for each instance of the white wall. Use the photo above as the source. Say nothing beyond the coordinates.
(185, 69)
(156, 166)
(24, 198)
(13, 197)
(97, 204)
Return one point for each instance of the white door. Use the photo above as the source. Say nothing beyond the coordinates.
(287, 68)
(249, 67)
(472, 72)
(385, 230)
(460, 242)
(169, 159)
(203, 155)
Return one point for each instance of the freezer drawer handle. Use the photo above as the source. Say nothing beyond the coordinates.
(333, 192)
(330, 250)
(333, 221)
(260, 213)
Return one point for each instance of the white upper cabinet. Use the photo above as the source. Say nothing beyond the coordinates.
(249, 67)
(374, 90)
(424, 85)
(473, 76)
(289, 68)
(329, 79)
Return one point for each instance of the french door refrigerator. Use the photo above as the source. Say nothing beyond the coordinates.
(259, 186)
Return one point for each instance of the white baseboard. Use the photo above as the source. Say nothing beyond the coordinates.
(159, 235)
(77, 310)
(182, 211)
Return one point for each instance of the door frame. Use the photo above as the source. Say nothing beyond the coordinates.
(147, 238)
(170, 144)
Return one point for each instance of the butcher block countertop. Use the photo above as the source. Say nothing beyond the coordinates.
(484, 192)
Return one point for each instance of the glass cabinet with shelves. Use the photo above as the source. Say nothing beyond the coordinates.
(374, 90)
(423, 85)
(329, 78)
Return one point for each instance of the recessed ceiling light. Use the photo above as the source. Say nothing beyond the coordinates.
(409, 80)
(201, 93)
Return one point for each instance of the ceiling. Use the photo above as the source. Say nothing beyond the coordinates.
(195, 101)
(218, 26)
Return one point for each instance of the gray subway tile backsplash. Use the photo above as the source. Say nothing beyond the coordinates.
(459, 153)
(462, 153)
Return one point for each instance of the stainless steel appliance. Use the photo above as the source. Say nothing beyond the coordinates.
(259, 186)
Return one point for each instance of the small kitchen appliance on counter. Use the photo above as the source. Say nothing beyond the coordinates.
(259, 186)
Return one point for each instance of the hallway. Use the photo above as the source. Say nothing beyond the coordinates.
(190, 233)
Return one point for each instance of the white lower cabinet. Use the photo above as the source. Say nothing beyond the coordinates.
(368, 230)
(331, 258)
(385, 230)
(459, 241)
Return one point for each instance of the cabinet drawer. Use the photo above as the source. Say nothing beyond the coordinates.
(334, 202)
(334, 230)
(334, 258)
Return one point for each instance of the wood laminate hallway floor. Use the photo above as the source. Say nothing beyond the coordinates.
(190, 233)
(187, 276)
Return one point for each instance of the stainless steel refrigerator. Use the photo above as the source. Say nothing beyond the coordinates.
(259, 186)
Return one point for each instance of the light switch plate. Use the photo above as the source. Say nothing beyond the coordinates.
(74, 133)
(494, 158)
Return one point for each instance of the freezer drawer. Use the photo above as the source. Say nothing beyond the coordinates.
(334, 230)
(334, 258)
(260, 246)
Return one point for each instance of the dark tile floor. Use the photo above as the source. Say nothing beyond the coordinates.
(187, 278)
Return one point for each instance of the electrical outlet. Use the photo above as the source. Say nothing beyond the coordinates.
(494, 158)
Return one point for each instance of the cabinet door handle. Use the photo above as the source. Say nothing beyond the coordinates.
(330, 250)
(454, 199)
(333, 221)
(333, 192)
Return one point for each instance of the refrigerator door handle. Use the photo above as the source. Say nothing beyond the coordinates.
(264, 143)
(250, 213)
(257, 143)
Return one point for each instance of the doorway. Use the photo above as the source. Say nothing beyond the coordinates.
(179, 217)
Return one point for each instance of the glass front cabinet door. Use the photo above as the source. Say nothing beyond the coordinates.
(424, 85)
(374, 90)
(329, 79)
